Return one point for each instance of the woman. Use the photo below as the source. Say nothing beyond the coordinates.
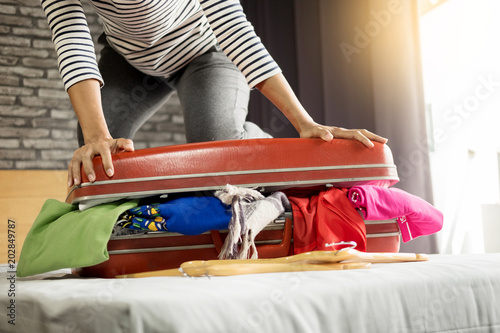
(204, 49)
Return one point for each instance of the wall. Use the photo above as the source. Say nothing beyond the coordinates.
(37, 124)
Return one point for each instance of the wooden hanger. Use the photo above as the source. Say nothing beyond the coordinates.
(347, 258)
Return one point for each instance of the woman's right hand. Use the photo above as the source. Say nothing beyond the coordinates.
(85, 154)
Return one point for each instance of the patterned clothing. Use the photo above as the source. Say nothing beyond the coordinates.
(191, 215)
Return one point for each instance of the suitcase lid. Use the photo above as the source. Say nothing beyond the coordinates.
(270, 164)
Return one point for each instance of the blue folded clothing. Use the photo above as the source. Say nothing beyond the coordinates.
(192, 215)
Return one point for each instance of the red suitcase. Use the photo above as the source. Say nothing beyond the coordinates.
(269, 164)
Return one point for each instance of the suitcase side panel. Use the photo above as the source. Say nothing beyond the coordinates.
(142, 254)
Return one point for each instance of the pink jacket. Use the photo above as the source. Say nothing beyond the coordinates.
(415, 216)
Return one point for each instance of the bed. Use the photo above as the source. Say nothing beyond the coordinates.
(448, 293)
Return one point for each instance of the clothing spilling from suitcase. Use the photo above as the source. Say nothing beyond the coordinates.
(229, 221)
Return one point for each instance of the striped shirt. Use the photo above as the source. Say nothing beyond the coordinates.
(158, 37)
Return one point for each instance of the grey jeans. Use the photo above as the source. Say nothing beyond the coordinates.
(213, 93)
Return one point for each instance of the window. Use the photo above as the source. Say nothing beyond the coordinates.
(461, 71)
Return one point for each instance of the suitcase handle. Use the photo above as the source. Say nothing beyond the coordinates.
(270, 251)
(217, 240)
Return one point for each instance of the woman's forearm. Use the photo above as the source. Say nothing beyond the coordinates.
(85, 97)
(279, 92)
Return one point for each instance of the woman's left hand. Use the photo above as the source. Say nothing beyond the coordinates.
(327, 133)
(279, 92)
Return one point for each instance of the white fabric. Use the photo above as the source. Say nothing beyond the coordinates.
(449, 293)
(251, 212)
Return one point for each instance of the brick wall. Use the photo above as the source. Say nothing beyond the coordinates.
(37, 123)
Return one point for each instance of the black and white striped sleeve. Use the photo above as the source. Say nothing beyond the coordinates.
(238, 40)
(72, 41)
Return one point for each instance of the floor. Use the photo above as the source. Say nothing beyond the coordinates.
(22, 194)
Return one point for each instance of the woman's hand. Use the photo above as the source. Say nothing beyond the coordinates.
(327, 133)
(83, 156)
(85, 98)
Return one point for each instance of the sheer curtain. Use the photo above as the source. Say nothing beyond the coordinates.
(356, 64)
(274, 23)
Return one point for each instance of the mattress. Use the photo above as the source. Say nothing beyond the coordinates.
(448, 293)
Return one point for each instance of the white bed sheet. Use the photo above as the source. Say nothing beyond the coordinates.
(449, 293)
